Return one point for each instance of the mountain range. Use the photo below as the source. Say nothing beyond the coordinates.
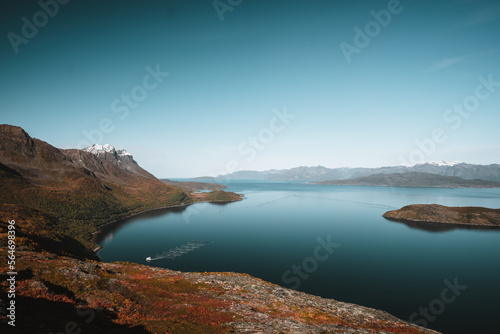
(321, 173)
(414, 179)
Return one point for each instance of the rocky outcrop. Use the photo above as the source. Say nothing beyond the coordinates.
(434, 213)
(101, 297)
(119, 158)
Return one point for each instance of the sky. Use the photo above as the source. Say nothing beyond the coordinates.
(194, 88)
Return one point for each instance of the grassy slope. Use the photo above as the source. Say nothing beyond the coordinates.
(131, 298)
(80, 203)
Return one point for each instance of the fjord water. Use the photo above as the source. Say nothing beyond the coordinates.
(377, 263)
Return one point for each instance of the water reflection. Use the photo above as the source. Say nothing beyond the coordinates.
(106, 233)
(442, 227)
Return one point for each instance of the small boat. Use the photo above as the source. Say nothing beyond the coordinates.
(148, 259)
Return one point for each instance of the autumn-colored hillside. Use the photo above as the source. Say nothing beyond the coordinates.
(95, 297)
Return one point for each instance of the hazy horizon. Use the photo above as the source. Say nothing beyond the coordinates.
(193, 89)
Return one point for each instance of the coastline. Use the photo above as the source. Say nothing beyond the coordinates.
(394, 186)
(442, 223)
(439, 214)
(99, 247)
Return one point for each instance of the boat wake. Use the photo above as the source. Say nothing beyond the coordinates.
(179, 250)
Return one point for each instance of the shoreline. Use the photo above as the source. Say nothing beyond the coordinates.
(445, 215)
(99, 247)
(393, 186)
(452, 224)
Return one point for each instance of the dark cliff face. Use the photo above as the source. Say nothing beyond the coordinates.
(118, 158)
(434, 213)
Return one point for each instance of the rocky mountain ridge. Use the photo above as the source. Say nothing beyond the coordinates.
(321, 173)
(414, 179)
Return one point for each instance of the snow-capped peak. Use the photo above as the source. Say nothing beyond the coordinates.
(107, 149)
(96, 149)
(123, 153)
(444, 163)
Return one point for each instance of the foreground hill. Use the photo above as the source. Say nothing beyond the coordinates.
(434, 213)
(320, 173)
(414, 179)
(98, 297)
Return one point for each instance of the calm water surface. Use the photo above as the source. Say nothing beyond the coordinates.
(375, 262)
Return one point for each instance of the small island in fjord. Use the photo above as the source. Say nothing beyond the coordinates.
(434, 213)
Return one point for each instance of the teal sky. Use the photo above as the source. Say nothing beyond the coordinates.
(228, 78)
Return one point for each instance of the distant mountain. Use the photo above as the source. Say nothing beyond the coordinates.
(320, 173)
(414, 179)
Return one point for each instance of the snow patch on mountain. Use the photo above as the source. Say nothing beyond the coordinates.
(96, 149)
(123, 153)
(106, 148)
(443, 163)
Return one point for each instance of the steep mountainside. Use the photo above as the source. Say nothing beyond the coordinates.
(414, 179)
(74, 186)
(121, 159)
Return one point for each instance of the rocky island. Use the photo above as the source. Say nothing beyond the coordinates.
(434, 213)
